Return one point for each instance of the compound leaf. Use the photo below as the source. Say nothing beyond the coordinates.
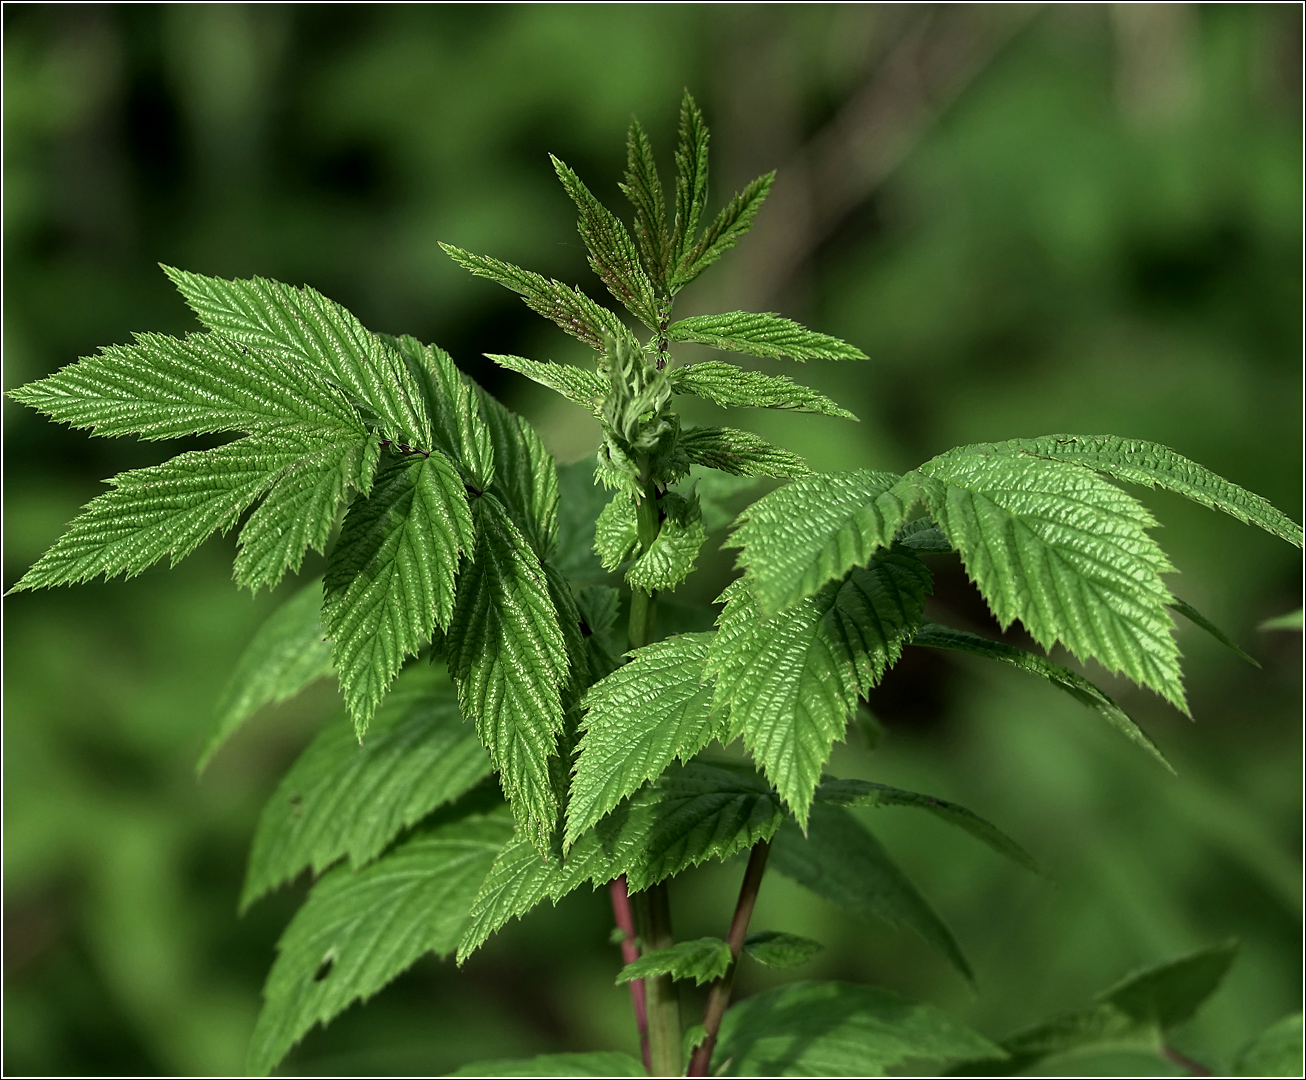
(792, 682)
(1074, 684)
(704, 960)
(762, 334)
(644, 190)
(726, 384)
(390, 576)
(286, 653)
(1063, 551)
(781, 951)
(638, 719)
(691, 181)
(342, 799)
(508, 658)
(358, 930)
(838, 1029)
(841, 861)
(813, 531)
(726, 230)
(578, 385)
(740, 453)
(598, 1063)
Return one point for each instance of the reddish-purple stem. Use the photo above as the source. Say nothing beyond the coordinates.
(625, 920)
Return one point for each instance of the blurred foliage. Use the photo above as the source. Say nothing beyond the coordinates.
(1071, 218)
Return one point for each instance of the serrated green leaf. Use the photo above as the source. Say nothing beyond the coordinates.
(525, 477)
(357, 931)
(841, 861)
(726, 230)
(570, 308)
(781, 951)
(866, 793)
(167, 509)
(838, 1029)
(644, 190)
(342, 799)
(580, 501)
(944, 637)
(704, 960)
(581, 386)
(814, 531)
(638, 719)
(1064, 552)
(616, 532)
(740, 453)
(303, 328)
(612, 253)
(598, 1063)
(508, 657)
(670, 558)
(286, 653)
(163, 388)
(792, 682)
(390, 576)
(762, 334)
(728, 385)
(1196, 617)
(924, 535)
(687, 815)
(1277, 1051)
(1153, 465)
(691, 180)
(605, 638)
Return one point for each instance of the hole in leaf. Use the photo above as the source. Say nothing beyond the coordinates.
(324, 968)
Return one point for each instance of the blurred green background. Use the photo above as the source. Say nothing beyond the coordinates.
(1035, 220)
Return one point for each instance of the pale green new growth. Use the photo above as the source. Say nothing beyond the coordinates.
(286, 653)
(509, 660)
(616, 534)
(725, 384)
(792, 682)
(704, 960)
(390, 576)
(341, 799)
(579, 385)
(641, 717)
(670, 558)
(814, 531)
(839, 1029)
(357, 931)
(780, 951)
(1074, 684)
(762, 334)
(740, 453)
(1061, 550)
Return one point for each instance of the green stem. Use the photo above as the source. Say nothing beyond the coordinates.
(719, 996)
(652, 909)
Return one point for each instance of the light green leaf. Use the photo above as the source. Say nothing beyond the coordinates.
(670, 558)
(1074, 684)
(1194, 616)
(357, 931)
(570, 308)
(508, 657)
(616, 532)
(1153, 465)
(687, 815)
(841, 861)
(1063, 551)
(726, 230)
(164, 387)
(302, 328)
(612, 253)
(691, 180)
(638, 719)
(341, 799)
(780, 951)
(704, 960)
(598, 1063)
(866, 793)
(813, 531)
(792, 682)
(1290, 621)
(390, 576)
(1276, 1051)
(740, 453)
(285, 654)
(726, 384)
(762, 334)
(644, 190)
(838, 1029)
(582, 386)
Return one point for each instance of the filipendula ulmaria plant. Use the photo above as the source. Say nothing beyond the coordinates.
(473, 621)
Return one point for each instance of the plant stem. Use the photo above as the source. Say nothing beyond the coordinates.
(653, 917)
(719, 996)
(625, 921)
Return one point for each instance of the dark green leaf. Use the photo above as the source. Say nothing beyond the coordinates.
(644, 190)
(605, 638)
(781, 951)
(691, 179)
(580, 502)
(1194, 616)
